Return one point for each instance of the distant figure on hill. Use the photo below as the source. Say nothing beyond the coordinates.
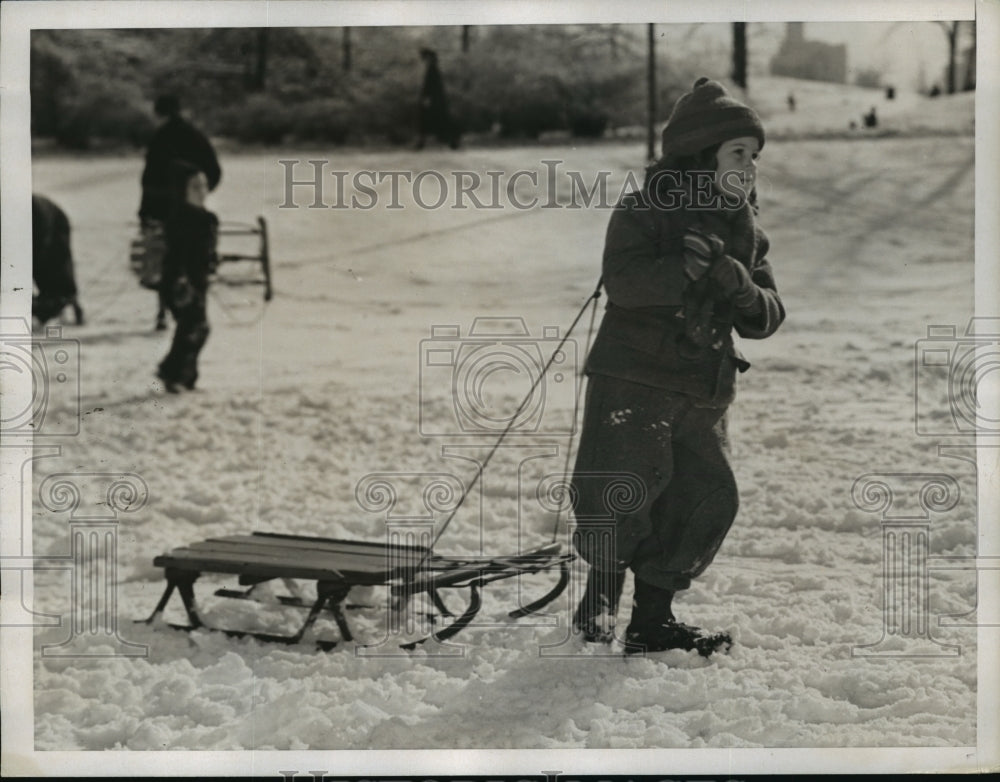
(871, 120)
(791, 101)
(434, 117)
(935, 91)
(175, 140)
(52, 262)
(890, 93)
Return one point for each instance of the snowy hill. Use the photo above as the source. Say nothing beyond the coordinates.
(825, 109)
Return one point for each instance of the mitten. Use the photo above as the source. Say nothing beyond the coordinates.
(733, 280)
(700, 249)
(699, 308)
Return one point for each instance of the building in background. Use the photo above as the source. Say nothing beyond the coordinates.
(803, 59)
(968, 80)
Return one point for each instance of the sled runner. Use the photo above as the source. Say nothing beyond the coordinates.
(245, 244)
(230, 254)
(337, 565)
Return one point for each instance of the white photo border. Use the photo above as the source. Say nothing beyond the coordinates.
(19, 18)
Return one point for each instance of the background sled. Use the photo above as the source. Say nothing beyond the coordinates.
(244, 255)
(336, 566)
(252, 254)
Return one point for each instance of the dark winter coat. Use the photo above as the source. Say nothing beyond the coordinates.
(432, 94)
(191, 238)
(51, 257)
(435, 117)
(52, 261)
(177, 139)
(643, 273)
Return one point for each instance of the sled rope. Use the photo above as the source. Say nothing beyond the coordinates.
(591, 301)
(576, 399)
(230, 310)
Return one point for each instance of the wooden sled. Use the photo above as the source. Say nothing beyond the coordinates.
(336, 566)
(254, 255)
(239, 243)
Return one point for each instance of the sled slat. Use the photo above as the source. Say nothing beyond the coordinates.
(339, 543)
(352, 548)
(365, 548)
(259, 565)
(341, 560)
(237, 565)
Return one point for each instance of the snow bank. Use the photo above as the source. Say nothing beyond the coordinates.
(304, 398)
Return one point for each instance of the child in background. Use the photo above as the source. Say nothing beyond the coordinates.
(175, 139)
(191, 239)
(684, 264)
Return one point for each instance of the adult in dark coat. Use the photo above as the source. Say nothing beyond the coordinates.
(435, 118)
(175, 140)
(52, 261)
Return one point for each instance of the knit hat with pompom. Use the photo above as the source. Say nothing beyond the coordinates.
(706, 116)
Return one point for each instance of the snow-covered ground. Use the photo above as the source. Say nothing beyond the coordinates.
(302, 399)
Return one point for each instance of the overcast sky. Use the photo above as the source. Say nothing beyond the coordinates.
(896, 49)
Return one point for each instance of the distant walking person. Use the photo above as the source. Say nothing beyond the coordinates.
(52, 262)
(175, 140)
(435, 118)
(191, 237)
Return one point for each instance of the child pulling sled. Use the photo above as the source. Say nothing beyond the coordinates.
(684, 265)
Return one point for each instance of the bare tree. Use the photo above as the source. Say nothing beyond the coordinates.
(258, 47)
(740, 54)
(651, 123)
(951, 30)
(970, 63)
(260, 71)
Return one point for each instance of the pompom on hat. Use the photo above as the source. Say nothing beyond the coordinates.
(706, 116)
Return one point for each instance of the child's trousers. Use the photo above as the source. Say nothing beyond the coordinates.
(181, 364)
(653, 489)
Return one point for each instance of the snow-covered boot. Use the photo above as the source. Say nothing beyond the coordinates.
(653, 627)
(595, 615)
